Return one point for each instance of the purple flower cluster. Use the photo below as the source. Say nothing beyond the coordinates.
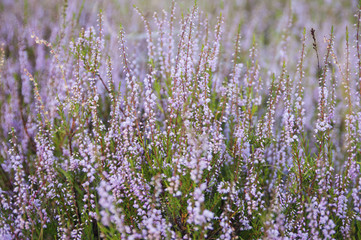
(177, 125)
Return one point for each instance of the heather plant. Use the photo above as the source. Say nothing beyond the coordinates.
(184, 124)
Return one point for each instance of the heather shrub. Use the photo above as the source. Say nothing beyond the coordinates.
(189, 123)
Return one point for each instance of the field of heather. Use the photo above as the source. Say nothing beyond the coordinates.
(159, 119)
